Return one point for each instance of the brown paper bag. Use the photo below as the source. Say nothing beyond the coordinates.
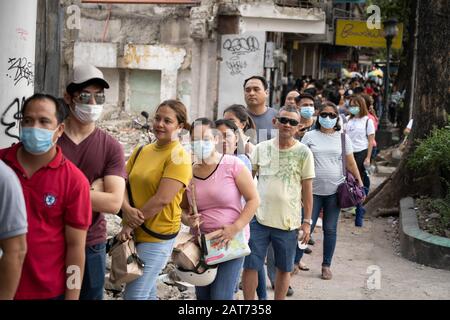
(186, 254)
(126, 266)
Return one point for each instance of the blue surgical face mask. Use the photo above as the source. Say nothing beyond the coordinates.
(37, 141)
(307, 112)
(327, 123)
(354, 110)
(202, 149)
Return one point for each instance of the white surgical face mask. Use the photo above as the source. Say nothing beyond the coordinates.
(88, 113)
(203, 149)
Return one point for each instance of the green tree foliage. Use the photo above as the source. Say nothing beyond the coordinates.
(432, 155)
(401, 10)
(393, 8)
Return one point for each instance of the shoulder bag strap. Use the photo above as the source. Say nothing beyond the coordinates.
(143, 227)
(130, 196)
(344, 167)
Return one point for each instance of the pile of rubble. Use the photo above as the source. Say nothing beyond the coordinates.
(122, 126)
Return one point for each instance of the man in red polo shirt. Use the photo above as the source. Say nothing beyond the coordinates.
(57, 201)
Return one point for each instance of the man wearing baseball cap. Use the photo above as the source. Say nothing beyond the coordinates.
(101, 158)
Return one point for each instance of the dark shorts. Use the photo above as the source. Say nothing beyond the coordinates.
(284, 245)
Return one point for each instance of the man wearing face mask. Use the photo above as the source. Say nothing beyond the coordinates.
(57, 202)
(305, 104)
(101, 158)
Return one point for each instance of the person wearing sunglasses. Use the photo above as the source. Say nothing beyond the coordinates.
(325, 144)
(286, 168)
(101, 158)
(361, 130)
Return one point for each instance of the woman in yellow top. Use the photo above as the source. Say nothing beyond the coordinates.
(158, 175)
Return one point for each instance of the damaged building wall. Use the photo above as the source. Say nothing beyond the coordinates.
(178, 46)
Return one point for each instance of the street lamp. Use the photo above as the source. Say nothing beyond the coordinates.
(384, 134)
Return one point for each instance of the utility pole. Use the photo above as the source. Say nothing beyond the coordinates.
(17, 60)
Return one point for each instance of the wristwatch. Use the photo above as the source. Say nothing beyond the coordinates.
(308, 221)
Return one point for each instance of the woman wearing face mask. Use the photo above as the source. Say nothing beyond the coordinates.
(247, 128)
(361, 130)
(158, 174)
(373, 116)
(220, 182)
(325, 144)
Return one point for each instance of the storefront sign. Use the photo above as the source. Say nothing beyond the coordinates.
(356, 34)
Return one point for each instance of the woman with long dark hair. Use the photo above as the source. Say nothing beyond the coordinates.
(361, 131)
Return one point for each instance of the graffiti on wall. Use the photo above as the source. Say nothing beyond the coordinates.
(237, 51)
(20, 69)
(23, 34)
(10, 117)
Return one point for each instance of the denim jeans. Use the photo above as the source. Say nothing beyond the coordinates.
(360, 211)
(298, 255)
(226, 280)
(359, 159)
(330, 219)
(94, 273)
(155, 256)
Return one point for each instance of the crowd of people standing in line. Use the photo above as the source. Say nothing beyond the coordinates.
(265, 172)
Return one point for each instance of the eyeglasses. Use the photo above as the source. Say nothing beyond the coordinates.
(86, 97)
(284, 120)
(328, 114)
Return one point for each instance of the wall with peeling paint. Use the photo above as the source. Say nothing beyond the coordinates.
(138, 42)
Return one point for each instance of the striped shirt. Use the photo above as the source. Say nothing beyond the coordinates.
(327, 152)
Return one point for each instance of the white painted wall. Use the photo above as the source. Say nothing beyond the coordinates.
(17, 60)
(101, 55)
(242, 57)
(111, 94)
(185, 89)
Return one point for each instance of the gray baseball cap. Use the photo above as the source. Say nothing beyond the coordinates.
(85, 75)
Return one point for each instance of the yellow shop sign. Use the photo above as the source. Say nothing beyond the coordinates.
(356, 34)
